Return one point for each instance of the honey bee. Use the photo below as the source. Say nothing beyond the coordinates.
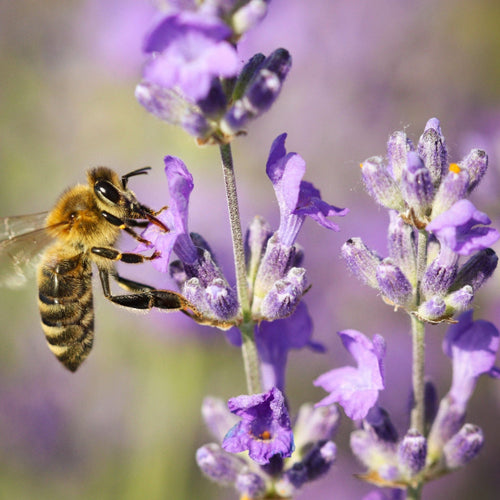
(82, 229)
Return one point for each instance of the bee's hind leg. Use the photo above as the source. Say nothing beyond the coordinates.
(146, 297)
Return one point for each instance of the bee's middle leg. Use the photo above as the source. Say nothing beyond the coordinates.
(128, 257)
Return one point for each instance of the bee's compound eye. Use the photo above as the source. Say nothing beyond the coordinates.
(107, 192)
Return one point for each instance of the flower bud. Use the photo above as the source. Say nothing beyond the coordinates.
(362, 261)
(379, 421)
(393, 284)
(275, 264)
(380, 185)
(460, 300)
(433, 309)
(463, 446)
(440, 274)
(476, 164)
(416, 185)
(402, 245)
(250, 484)
(432, 150)
(221, 299)
(218, 465)
(398, 147)
(261, 92)
(412, 452)
(284, 295)
(247, 73)
(476, 270)
(315, 424)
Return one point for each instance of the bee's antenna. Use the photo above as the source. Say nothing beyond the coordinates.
(139, 171)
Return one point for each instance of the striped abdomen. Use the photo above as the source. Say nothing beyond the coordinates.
(66, 309)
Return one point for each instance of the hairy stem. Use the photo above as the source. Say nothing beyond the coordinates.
(249, 349)
(418, 344)
(418, 358)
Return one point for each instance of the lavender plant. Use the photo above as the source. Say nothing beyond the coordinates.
(193, 78)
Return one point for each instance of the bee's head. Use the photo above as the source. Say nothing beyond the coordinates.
(112, 194)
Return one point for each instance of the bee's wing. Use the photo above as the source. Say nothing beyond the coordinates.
(10, 227)
(23, 238)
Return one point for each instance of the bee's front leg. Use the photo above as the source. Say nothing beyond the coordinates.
(124, 226)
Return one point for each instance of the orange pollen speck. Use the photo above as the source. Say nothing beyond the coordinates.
(455, 168)
(360, 165)
(265, 435)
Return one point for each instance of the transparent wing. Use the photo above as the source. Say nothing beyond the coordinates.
(23, 239)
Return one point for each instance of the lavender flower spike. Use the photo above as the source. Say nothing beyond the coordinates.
(264, 429)
(356, 389)
(462, 228)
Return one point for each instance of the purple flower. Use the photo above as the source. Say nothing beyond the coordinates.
(472, 345)
(264, 429)
(180, 185)
(462, 228)
(296, 198)
(356, 389)
(187, 51)
(275, 339)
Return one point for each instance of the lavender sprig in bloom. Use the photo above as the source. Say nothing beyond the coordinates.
(193, 76)
(265, 432)
(432, 225)
(451, 443)
(426, 195)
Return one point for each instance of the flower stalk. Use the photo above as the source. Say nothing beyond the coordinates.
(418, 344)
(418, 372)
(248, 347)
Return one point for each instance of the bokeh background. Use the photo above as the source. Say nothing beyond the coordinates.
(127, 424)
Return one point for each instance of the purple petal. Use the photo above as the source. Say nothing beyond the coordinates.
(311, 204)
(275, 339)
(180, 184)
(174, 26)
(458, 228)
(188, 50)
(296, 198)
(472, 345)
(356, 389)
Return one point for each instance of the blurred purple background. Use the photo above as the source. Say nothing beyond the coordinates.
(128, 423)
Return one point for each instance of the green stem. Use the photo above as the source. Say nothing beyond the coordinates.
(248, 348)
(250, 358)
(418, 358)
(235, 222)
(418, 344)
(414, 493)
